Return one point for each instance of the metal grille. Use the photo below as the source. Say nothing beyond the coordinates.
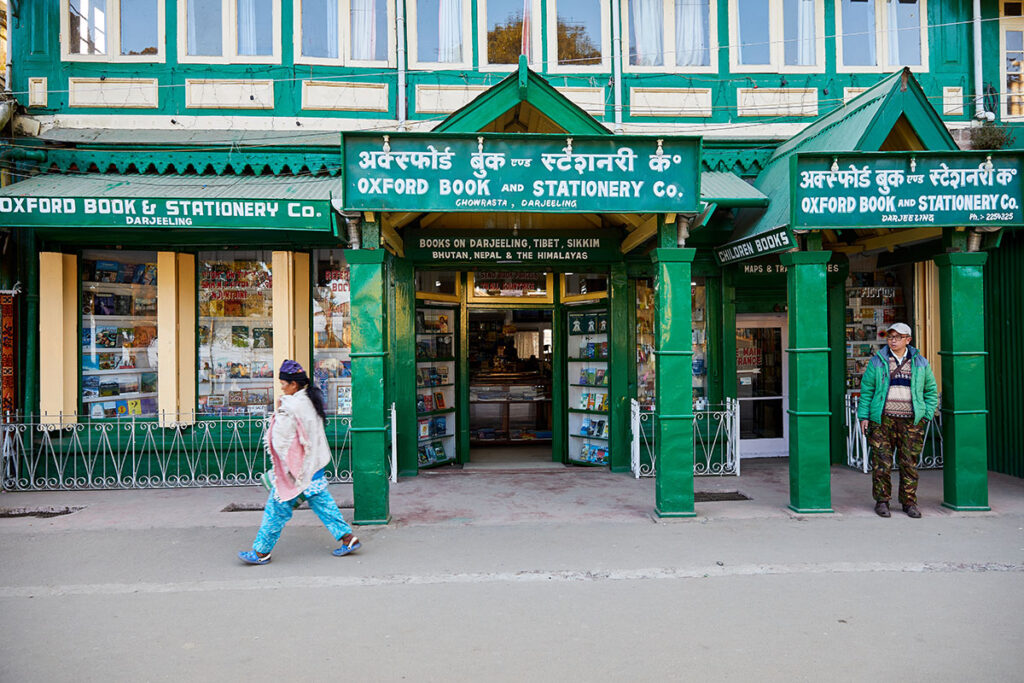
(137, 453)
(716, 440)
(858, 453)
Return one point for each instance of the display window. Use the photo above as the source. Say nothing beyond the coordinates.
(437, 285)
(584, 286)
(236, 333)
(645, 359)
(698, 304)
(875, 299)
(488, 286)
(119, 345)
(332, 330)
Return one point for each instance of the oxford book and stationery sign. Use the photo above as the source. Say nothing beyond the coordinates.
(521, 173)
(906, 190)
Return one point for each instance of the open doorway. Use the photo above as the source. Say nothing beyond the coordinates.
(510, 411)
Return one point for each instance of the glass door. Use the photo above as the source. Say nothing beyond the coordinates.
(762, 385)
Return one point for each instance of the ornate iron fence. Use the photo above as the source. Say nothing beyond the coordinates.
(55, 453)
(858, 453)
(716, 440)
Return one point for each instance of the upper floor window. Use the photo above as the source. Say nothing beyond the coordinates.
(441, 33)
(1011, 41)
(507, 29)
(777, 35)
(112, 30)
(247, 31)
(581, 40)
(344, 32)
(881, 35)
(670, 35)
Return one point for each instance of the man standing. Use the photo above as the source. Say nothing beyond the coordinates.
(897, 397)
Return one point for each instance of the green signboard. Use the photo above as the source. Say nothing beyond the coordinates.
(521, 173)
(906, 190)
(768, 242)
(87, 212)
(445, 247)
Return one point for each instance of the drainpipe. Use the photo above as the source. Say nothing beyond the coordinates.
(617, 66)
(979, 86)
(400, 12)
(10, 52)
(30, 377)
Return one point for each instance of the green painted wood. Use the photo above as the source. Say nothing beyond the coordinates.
(668, 236)
(621, 353)
(728, 327)
(837, 357)
(809, 462)
(713, 326)
(963, 355)
(30, 255)
(674, 384)
(462, 376)
(369, 438)
(405, 367)
(559, 382)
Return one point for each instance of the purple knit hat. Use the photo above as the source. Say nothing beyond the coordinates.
(290, 371)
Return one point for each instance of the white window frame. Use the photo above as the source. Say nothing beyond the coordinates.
(113, 53)
(229, 37)
(777, 48)
(670, 39)
(412, 24)
(881, 40)
(536, 35)
(344, 48)
(1006, 24)
(606, 43)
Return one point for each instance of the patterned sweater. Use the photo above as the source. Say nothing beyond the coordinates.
(899, 402)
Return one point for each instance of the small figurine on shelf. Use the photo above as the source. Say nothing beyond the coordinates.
(442, 324)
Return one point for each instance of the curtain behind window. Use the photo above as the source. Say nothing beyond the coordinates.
(204, 27)
(364, 29)
(320, 28)
(904, 33)
(859, 33)
(449, 31)
(255, 27)
(692, 33)
(647, 22)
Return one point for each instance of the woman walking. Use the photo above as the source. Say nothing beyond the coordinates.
(297, 444)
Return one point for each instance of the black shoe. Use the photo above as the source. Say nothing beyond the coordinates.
(912, 511)
(882, 509)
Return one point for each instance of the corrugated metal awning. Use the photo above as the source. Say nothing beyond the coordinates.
(729, 190)
(99, 200)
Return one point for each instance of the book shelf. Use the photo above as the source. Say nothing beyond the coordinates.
(509, 408)
(587, 373)
(645, 358)
(332, 332)
(435, 384)
(870, 309)
(698, 305)
(236, 334)
(119, 325)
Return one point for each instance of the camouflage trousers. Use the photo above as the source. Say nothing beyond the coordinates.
(902, 436)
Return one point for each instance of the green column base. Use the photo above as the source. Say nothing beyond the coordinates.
(811, 511)
(967, 508)
(665, 514)
(371, 522)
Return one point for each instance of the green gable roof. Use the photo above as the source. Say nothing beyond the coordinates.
(522, 85)
(861, 125)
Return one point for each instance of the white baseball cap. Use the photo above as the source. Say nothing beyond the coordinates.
(901, 328)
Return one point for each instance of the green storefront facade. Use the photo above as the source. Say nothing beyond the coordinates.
(638, 213)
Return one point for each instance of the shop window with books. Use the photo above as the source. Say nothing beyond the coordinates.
(236, 333)
(332, 330)
(698, 299)
(874, 300)
(587, 353)
(435, 384)
(645, 359)
(119, 346)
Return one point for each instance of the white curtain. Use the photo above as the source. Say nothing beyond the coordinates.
(247, 27)
(192, 28)
(691, 41)
(364, 29)
(648, 26)
(449, 31)
(805, 54)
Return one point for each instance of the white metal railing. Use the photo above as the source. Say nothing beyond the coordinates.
(716, 440)
(393, 460)
(858, 451)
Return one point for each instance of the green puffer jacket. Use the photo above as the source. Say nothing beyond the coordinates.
(874, 387)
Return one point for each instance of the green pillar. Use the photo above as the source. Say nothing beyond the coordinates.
(674, 384)
(404, 363)
(369, 426)
(618, 367)
(809, 462)
(964, 435)
(837, 356)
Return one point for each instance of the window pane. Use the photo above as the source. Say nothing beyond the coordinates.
(236, 333)
(504, 31)
(858, 33)
(255, 27)
(646, 28)
(579, 32)
(754, 31)
(693, 33)
(119, 347)
(904, 33)
(437, 282)
(369, 29)
(439, 26)
(140, 29)
(320, 28)
(204, 28)
(332, 340)
(798, 27)
(581, 284)
(87, 24)
(1014, 81)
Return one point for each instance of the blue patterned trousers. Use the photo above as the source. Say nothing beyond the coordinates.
(277, 514)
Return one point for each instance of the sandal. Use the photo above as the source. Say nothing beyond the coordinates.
(250, 557)
(352, 545)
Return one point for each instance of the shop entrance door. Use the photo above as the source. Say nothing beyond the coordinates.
(762, 384)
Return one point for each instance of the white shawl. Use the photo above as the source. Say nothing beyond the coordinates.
(318, 452)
